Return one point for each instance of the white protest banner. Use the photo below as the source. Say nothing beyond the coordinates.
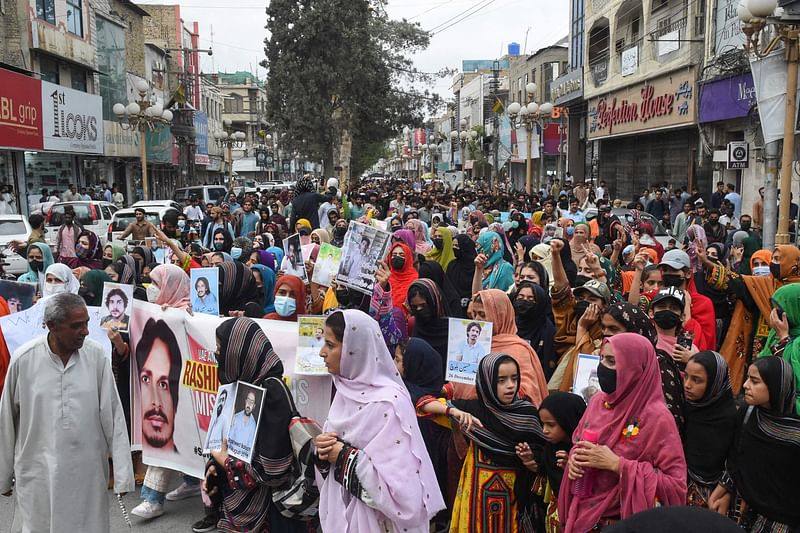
(28, 324)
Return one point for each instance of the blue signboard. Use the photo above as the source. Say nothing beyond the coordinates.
(201, 132)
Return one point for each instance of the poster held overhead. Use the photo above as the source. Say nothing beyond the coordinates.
(468, 341)
(363, 247)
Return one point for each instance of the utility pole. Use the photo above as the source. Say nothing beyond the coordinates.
(770, 222)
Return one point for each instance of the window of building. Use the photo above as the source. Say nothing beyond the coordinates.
(111, 62)
(234, 104)
(75, 17)
(46, 10)
(576, 49)
(48, 69)
(78, 79)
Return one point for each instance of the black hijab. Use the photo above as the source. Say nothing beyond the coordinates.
(461, 270)
(536, 327)
(436, 330)
(433, 271)
(710, 421)
(570, 268)
(568, 410)
(675, 519)
(422, 367)
(237, 287)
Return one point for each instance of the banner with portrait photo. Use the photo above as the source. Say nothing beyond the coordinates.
(198, 384)
(468, 341)
(363, 247)
(18, 295)
(116, 307)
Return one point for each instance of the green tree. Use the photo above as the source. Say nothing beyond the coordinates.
(343, 65)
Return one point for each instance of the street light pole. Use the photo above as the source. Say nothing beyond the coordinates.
(229, 139)
(530, 115)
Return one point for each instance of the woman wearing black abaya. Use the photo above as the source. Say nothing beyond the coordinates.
(433, 271)
(531, 307)
(710, 423)
(237, 287)
(461, 270)
(763, 467)
(430, 314)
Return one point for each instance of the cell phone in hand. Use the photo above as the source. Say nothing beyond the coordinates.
(685, 339)
(777, 307)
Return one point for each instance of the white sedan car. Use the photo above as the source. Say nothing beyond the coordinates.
(13, 228)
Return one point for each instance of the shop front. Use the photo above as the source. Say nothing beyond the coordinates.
(646, 134)
(567, 93)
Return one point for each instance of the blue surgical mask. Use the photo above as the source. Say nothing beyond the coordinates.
(285, 306)
(236, 253)
(570, 231)
(761, 271)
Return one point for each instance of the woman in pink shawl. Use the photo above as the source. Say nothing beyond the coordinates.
(420, 229)
(638, 461)
(376, 473)
(172, 284)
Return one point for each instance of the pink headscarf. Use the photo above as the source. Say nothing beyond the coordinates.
(173, 284)
(635, 423)
(421, 238)
(697, 239)
(372, 411)
(408, 237)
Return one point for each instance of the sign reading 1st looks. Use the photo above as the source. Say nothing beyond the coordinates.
(72, 120)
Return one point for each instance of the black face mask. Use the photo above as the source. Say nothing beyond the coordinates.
(775, 270)
(396, 228)
(523, 308)
(580, 281)
(36, 266)
(667, 319)
(343, 297)
(438, 243)
(607, 378)
(339, 232)
(398, 262)
(673, 280)
(86, 294)
(580, 308)
(457, 253)
(745, 226)
(424, 314)
(107, 263)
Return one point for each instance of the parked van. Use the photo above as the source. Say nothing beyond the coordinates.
(207, 194)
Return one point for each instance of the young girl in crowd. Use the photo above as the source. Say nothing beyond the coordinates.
(495, 487)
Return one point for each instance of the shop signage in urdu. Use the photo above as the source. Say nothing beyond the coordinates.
(20, 111)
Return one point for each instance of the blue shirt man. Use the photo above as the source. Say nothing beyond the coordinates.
(242, 435)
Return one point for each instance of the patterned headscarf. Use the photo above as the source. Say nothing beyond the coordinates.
(303, 185)
(237, 286)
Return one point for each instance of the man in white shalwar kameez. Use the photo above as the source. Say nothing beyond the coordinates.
(60, 420)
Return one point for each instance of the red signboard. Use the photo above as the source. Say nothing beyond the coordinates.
(20, 111)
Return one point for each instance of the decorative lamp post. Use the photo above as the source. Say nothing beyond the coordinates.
(756, 16)
(142, 115)
(530, 115)
(229, 139)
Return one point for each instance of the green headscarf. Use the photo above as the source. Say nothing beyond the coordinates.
(94, 281)
(38, 277)
(788, 297)
(117, 250)
(446, 254)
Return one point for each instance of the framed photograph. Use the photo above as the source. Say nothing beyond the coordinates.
(363, 247)
(468, 341)
(116, 307)
(293, 264)
(585, 383)
(244, 422)
(310, 341)
(327, 265)
(220, 418)
(18, 295)
(205, 291)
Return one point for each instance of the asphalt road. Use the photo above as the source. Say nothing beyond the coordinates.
(177, 518)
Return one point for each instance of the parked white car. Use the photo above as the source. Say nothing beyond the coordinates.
(93, 216)
(13, 228)
(124, 217)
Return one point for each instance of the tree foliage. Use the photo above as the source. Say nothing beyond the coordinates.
(336, 65)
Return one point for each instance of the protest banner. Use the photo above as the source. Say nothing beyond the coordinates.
(198, 383)
(467, 342)
(363, 247)
(28, 324)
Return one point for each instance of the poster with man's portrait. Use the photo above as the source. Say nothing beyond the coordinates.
(220, 418)
(244, 422)
(293, 264)
(205, 290)
(311, 339)
(586, 383)
(468, 341)
(18, 296)
(116, 307)
(363, 247)
(159, 251)
(327, 265)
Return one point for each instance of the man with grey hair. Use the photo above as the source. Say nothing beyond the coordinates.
(60, 420)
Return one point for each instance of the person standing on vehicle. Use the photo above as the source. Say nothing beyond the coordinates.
(193, 212)
(139, 229)
(68, 234)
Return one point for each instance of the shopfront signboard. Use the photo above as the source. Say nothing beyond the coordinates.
(72, 120)
(726, 99)
(20, 111)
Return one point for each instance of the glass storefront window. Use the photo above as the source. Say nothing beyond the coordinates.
(50, 171)
(111, 62)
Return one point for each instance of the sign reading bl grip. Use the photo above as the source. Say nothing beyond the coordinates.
(20, 111)
(738, 155)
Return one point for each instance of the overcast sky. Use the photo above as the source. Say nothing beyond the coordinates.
(467, 29)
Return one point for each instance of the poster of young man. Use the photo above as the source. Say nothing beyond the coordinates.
(363, 247)
(586, 383)
(19, 296)
(163, 382)
(328, 259)
(292, 263)
(117, 307)
(310, 341)
(468, 341)
(205, 290)
(244, 423)
(221, 418)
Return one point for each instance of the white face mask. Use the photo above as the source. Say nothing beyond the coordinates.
(51, 289)
(761, 271)
(153, 293)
